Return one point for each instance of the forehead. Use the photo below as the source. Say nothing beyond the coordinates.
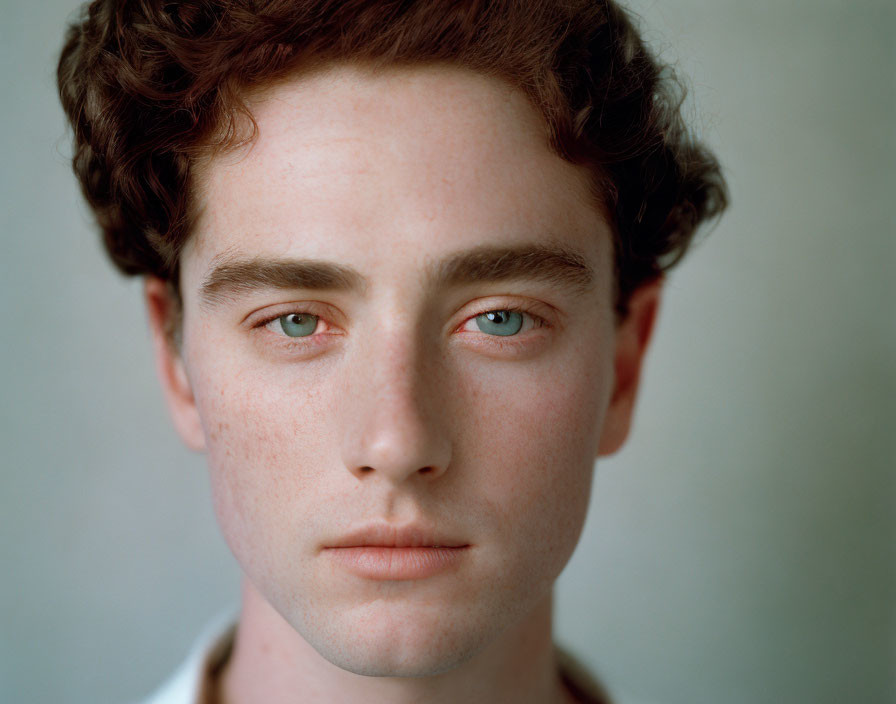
(352, 164)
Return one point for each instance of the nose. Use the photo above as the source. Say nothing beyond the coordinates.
(393, 421)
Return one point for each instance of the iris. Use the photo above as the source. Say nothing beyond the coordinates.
(500, 322)
(298, 324)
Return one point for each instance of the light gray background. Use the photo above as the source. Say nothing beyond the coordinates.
(739, 550)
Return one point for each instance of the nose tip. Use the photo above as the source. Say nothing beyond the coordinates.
(397, 442)
(394, 420)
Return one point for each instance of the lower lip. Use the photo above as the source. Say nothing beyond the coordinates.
(387, 563)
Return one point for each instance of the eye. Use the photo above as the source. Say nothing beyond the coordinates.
(298, 326)
(500, 322)
(294, 324)
(503, 322)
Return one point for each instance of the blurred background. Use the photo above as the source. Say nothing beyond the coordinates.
(742, 547)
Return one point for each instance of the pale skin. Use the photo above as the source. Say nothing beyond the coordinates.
(401, 404)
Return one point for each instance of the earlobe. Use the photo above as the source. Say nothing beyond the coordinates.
(632, 338)
(163, 312)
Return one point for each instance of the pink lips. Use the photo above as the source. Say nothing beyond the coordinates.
(386, 552)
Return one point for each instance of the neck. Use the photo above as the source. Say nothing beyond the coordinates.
(272, 663)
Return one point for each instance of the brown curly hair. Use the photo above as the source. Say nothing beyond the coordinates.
(151, 86)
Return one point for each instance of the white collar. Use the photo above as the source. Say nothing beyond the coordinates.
(183, 686)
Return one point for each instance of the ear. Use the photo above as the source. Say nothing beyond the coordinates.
(164, 312)
(632, 337)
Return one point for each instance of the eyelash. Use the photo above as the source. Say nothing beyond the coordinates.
(506, 342)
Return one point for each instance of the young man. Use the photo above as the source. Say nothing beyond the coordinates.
(402, 263)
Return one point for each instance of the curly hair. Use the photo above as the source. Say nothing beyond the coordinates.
(150, 86)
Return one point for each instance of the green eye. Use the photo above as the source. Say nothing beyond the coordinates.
(298, 324)
(500, 322)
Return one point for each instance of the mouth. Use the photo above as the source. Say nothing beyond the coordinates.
(384, 551)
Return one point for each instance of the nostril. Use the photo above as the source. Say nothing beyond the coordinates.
(397, 472)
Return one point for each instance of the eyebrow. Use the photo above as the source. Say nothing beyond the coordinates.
(558, 265)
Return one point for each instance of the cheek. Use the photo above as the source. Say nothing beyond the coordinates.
(266, 452)
(533, 440)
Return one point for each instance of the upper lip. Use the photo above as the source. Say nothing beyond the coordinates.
(395, 536)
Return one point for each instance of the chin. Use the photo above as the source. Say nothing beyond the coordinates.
(382, 639)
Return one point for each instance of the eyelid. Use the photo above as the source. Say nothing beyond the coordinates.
(261, 318)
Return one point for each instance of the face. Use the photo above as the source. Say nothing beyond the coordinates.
(398, 329)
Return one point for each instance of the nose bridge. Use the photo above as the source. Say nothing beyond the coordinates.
(392, 423)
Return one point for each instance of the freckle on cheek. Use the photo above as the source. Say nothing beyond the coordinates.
(220, 430)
